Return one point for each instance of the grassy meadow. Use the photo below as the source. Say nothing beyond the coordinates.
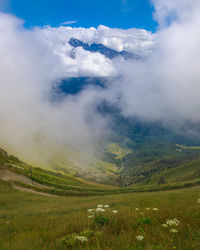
(31, 221)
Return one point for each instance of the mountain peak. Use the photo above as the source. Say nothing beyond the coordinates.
(98, 47)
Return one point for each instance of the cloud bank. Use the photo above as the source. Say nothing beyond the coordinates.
(164, 86)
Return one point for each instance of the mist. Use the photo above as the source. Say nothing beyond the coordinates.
(32, 125)
(163, 86)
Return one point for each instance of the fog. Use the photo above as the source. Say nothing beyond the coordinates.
(163, 86)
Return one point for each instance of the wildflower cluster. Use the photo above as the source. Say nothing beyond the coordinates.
(74, 238)
(139, 237)
(81, 238)
(92, 211)
(148, 209)
(173, 222)
(198, 201)
(99, 209)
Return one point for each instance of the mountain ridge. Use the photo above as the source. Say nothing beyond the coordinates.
(102, 49)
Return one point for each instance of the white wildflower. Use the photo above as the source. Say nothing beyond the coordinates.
(147, 208)
(90, 210)
(106, 206)
(137, 209)
(99, 206)
(99, 209)
(115, 211)
(198, 201)
(155, 209)
(164, 225)
(81, 238)
(173, 222)
(139, 237)
(90, 216)
(173, 230)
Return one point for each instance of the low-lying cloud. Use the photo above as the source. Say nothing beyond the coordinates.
(164, 86)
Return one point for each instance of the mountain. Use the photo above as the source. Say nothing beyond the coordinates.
(152, 146)
(95, 47)
(74, 85)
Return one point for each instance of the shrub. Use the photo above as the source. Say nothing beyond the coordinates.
(144, 220)
(101, 220)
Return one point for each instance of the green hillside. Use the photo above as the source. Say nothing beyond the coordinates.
(185, 172)
(57, 182)
(51, 209)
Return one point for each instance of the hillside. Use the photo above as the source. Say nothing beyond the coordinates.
(153, 145)
(52, 209)
(59, 182)
(182, 173)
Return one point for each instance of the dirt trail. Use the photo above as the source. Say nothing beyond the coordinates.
(7, 175)
(33, 191)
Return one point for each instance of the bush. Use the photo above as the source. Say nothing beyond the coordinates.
(101, 220)
(144, 220)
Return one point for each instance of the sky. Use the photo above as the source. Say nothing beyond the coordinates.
(83, 13)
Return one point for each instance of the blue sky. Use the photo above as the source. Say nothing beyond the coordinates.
(113, 13)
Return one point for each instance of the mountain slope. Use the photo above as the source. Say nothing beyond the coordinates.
(94, 47)
(57, 182)
(188, 172)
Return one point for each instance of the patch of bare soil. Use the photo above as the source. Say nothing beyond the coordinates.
(33, 191)
(7, 175)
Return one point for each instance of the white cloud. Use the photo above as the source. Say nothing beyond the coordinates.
(164, 86)
(29, 67)
(69, 22)
(172, 11)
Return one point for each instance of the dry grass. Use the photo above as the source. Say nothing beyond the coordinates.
(29, 221)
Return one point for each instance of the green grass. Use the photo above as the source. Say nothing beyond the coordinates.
(29, 221)
(182, 147)
(62, 184)
(74, 163)
(54, 179)
(183, 173)
(117, 151)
